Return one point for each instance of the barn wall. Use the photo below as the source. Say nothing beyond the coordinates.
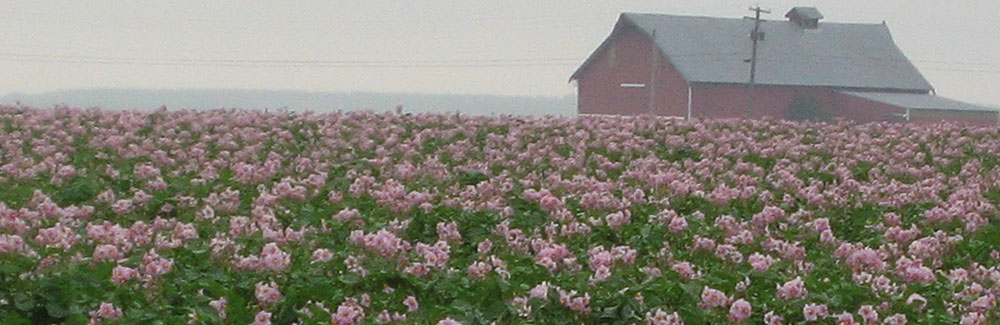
(864, 110)
(600, 90)
(976, 118)
(732, 101)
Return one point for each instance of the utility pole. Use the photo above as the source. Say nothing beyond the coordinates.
(654, 59)
(755, 36)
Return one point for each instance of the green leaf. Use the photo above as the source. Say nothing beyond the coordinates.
(56, 310)
(350, 278)
(692, 289)
(23, 301)
(13, 319)
(610, 313)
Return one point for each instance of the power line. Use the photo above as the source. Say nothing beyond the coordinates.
(964, 70)
(955, 62)
(284, 63)
(158, 20)
(444, 63)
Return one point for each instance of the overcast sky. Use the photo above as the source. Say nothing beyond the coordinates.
(509, 47)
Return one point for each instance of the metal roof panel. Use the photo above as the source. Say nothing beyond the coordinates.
(716, 50)
(918, 101)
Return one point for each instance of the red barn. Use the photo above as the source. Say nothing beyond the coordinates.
(698, 67)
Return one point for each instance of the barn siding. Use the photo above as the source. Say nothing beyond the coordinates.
(600, 90)
(729, 101)
(864, 110)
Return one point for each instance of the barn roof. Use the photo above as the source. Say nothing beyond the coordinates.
(716, 50)
(918, 101)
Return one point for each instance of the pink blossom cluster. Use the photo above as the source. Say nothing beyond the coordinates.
(726, 213)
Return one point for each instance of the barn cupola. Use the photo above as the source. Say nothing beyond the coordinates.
(807, 17)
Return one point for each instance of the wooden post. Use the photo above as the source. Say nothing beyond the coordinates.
(654, 62)
(689, 102)
(755, 37)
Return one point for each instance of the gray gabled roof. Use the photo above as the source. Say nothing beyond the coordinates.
(715, 50)
(919, 101)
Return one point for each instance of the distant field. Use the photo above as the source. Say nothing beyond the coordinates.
(125, 217)
(145, 99)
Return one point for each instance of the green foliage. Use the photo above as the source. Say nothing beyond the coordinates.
(467, 178)
(78, 191)
(678, 154)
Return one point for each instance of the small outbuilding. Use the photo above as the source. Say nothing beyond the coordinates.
(699, 67)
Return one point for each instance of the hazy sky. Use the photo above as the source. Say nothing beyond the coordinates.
(509, 47)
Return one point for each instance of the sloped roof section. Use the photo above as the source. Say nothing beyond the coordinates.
(918, 101)
(717, 50)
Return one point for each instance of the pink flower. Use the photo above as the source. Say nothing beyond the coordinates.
(262, 318)
(540, 291)
(739, 311)
(383, 316)
(845, 319)
(484, 246)
(106, 253)
(122, 207)
(154, 265)
(760, 262)
(685, 269)
(868, 314)
(660, 317)
(411, 303)
(521, 305)
(813, 312)
(973, 319)
(865, 259)
(678, 224)
(273, 258)
(267, 294)
(579, 304)
(345, 214)
(121, 274)
(711, 298)
(448, 231)
(651, 271)
(791, 290)
(767, 216)
(220, 306)
(921, 274)
(348, 313)
(617, 220)
(107, 310)
(478, 270)
(322, 255)
(448, 321)
(918, 299)
(983, 304)
(770, 318)
(896, 319)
